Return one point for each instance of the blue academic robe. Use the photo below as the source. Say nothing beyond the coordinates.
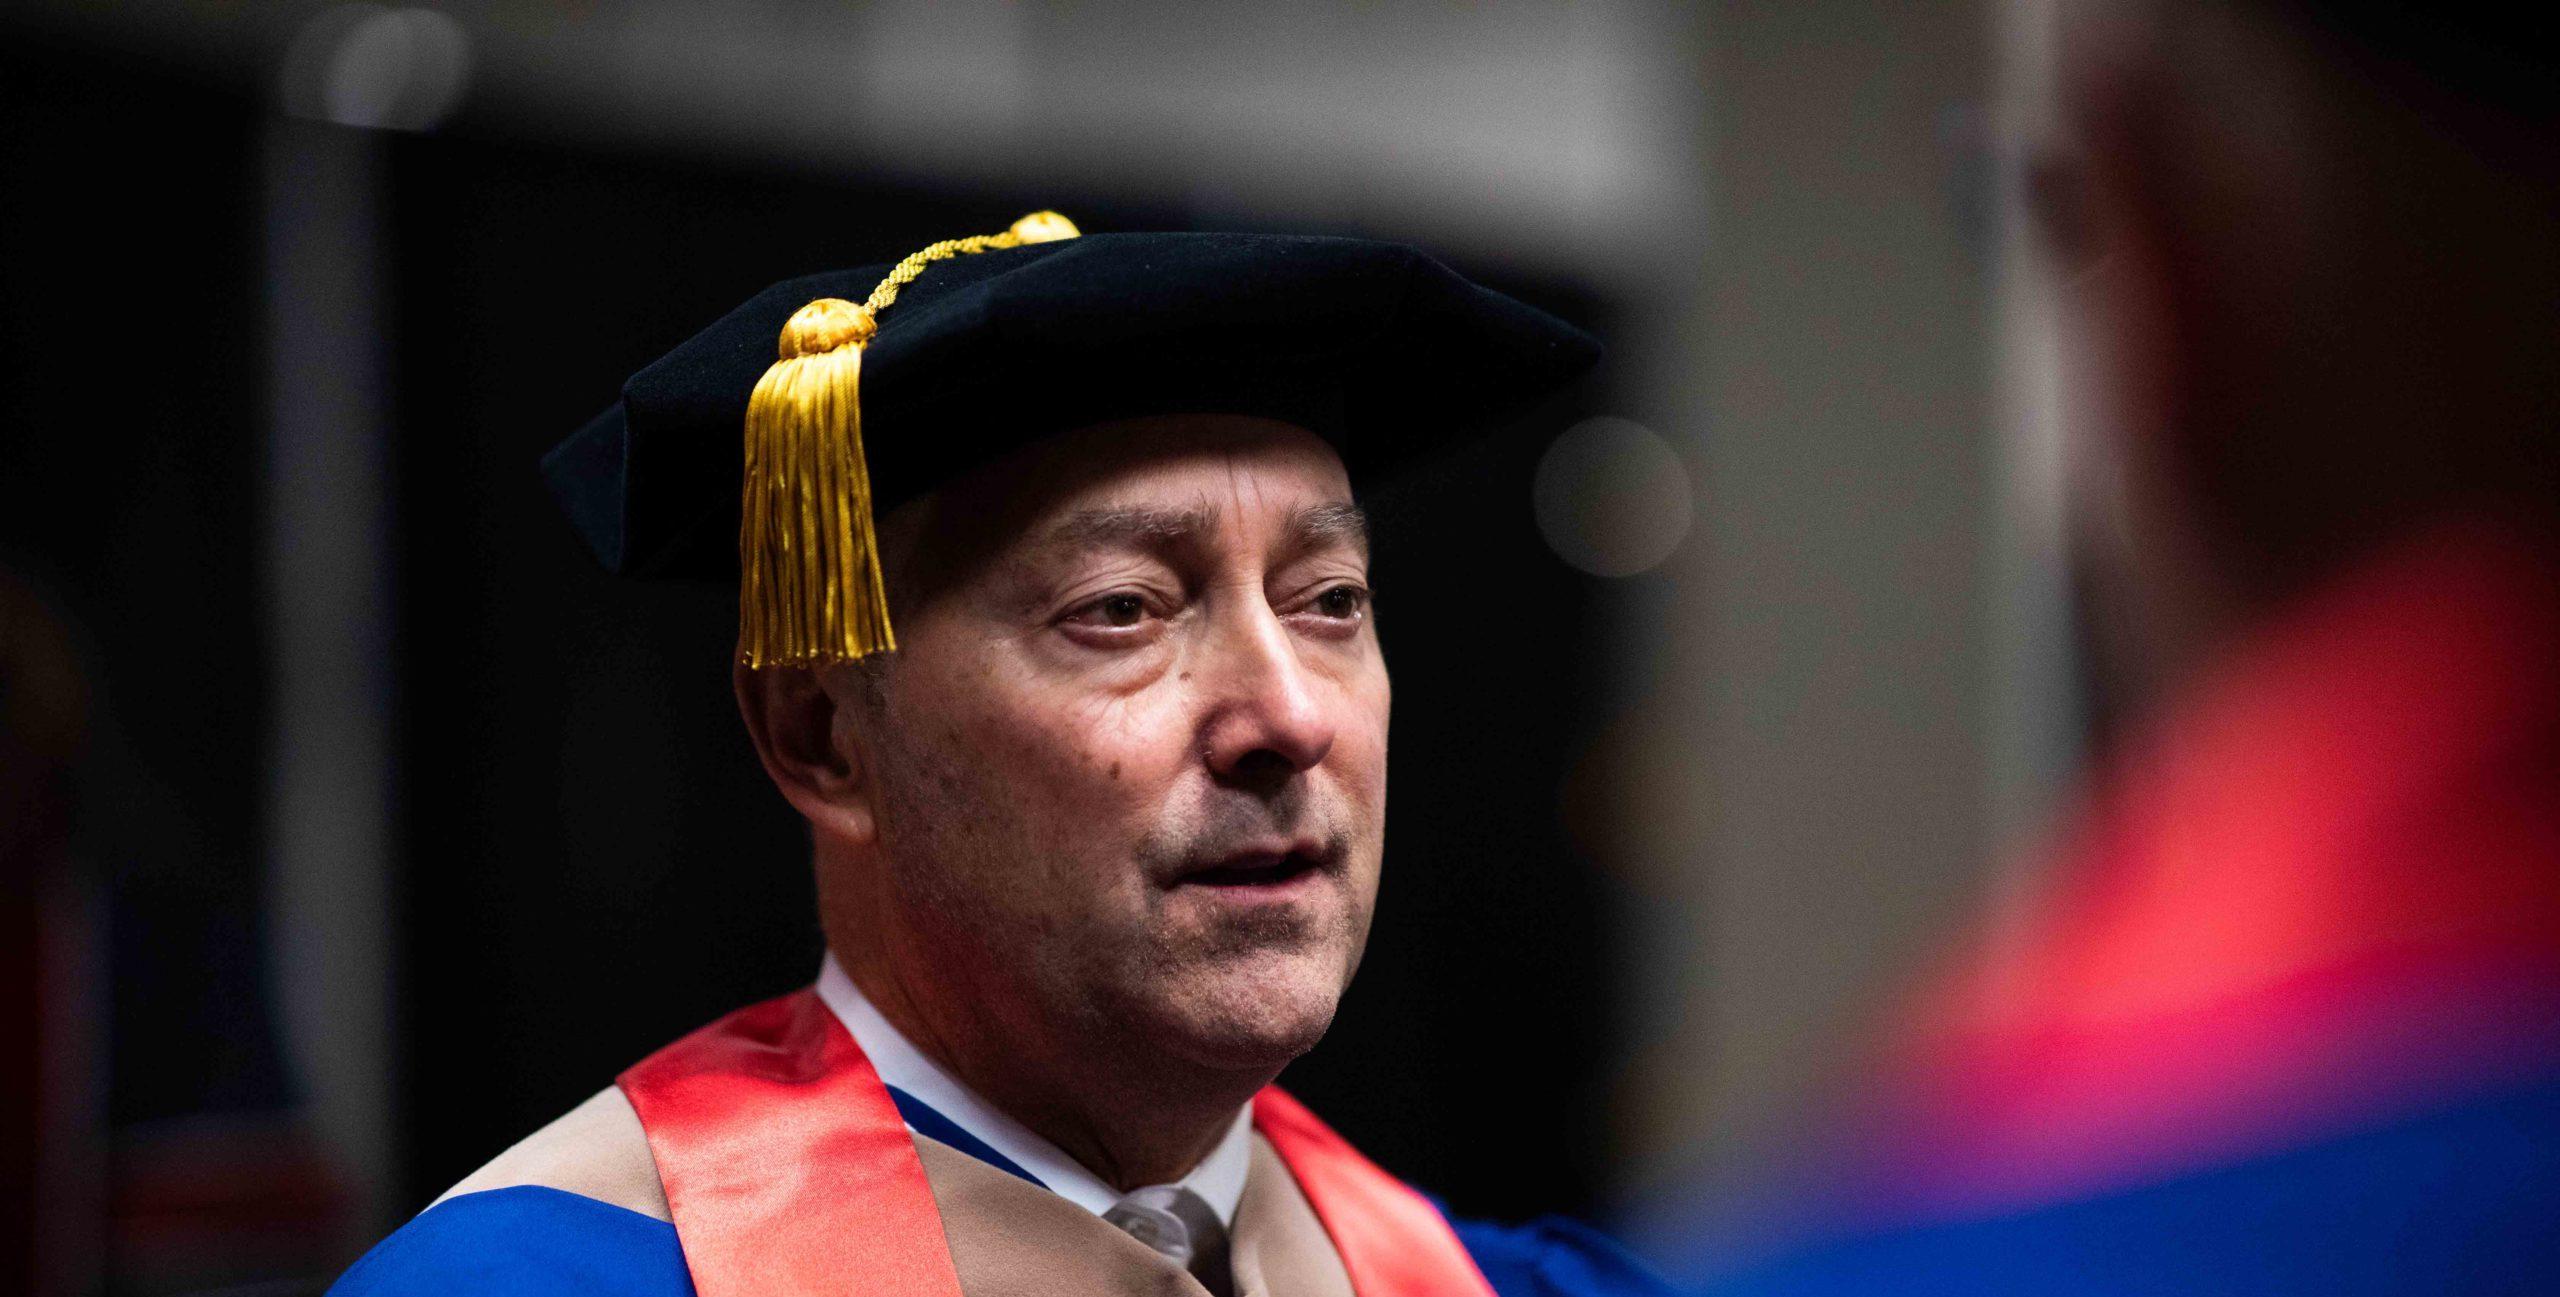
(537, 1242)
(531, 1241)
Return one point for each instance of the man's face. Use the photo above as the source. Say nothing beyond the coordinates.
(1130, 760)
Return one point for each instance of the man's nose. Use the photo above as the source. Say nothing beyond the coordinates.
(1266, 716)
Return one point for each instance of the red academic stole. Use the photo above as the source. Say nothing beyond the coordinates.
(788, 1170)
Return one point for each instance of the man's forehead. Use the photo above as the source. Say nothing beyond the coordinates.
(1310, 523)
(1164, 478)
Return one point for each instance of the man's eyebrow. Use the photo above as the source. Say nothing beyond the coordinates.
(1337, 522)
(1313, 526)
(1109, 528)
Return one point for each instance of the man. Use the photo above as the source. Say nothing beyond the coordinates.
(1097, 815)
(2284, 1014)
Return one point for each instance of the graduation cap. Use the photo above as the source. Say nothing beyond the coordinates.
(892, 381)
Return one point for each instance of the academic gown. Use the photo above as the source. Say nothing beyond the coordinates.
(2284, 1017)
(1002, 1233)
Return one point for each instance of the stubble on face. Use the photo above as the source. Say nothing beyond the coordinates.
(1030, 843)
(1054, 926)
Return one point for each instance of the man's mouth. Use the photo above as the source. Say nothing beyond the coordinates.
(1253, 871)
(1260, 866)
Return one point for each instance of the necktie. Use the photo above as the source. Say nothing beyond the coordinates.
(1179, 1224)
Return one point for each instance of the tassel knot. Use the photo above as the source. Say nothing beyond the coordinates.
(809, 586)
(826, 324)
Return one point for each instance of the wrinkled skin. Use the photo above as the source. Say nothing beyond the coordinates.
(1104, 835)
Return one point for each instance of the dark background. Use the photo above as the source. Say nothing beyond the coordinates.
(587, 861)
(351, 824)
(596, 861)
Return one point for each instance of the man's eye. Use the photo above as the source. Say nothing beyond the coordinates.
(1342, 601)
(1111, 611)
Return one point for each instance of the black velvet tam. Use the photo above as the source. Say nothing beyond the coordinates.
(1376, 347)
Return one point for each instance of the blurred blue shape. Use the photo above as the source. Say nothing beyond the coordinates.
(2465, 1200)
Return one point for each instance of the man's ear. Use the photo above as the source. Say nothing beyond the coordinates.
(798, 731)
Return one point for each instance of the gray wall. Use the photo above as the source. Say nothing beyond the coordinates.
(1816, 791)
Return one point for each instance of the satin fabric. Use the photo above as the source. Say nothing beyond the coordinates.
(1392, 1240)
(787, 1168)
(785, 1163)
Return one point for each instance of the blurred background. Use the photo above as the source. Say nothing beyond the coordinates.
(352, 824)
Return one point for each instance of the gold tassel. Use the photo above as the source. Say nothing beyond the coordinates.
(809, 585)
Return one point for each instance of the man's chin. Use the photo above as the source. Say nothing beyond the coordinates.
(1254, 1013)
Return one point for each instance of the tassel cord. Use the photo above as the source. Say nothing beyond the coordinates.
(810, 588)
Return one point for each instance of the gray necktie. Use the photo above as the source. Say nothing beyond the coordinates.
(1178, 1223)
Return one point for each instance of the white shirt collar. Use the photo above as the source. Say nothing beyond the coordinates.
(1219, 1179)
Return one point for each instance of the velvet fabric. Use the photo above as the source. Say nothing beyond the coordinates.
(1376, 346)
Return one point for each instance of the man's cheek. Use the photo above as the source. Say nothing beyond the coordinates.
(1362, 767)
(1118, 723)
